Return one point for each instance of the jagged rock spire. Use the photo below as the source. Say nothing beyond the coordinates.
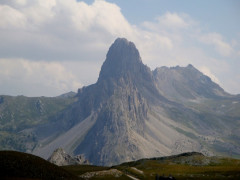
(122, 57)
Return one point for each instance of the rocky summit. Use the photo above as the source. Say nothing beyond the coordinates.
(132, 112)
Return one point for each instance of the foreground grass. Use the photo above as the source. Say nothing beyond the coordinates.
(190, 167)
(81, 169)
(150, 170)
(16, 165)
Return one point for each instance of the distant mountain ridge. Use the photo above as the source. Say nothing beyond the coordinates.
(132, 112)
(186, 83)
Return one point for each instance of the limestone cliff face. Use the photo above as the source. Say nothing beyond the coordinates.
(108, 122)
(126, 85)
(123, 67)
(132, 113)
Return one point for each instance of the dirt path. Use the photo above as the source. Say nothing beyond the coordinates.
(132, 177)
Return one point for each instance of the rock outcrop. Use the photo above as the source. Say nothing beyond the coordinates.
(61, 158)
(132, 113)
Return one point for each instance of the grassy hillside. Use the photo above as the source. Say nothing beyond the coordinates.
(184, 166)
(96, 172)
(20, 114)
(16, 165)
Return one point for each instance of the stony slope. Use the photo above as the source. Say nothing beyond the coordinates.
(218, 112)
(132, 113)
(126, 115)
(116, 106)
(20, 115)
(184, 83)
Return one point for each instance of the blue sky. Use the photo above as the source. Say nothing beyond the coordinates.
(55, 46)
(220, 15)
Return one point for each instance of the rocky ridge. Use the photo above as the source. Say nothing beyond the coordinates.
(129, 113)
(132, 112)
(186, 83)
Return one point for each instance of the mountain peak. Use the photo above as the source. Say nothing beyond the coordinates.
(122, 57)
(186, 83)
(122, 41)
(190, 66)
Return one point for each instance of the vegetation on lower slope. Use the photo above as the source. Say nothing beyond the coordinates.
(194, 166)
(95, 172)
(20, 114)
(16, 165)
(185, 166)
(81, 169)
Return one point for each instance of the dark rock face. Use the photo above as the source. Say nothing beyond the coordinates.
(123, 67)
(122, 58)
(39, 106)
(124, 106)
(1, 100)
(132, 113)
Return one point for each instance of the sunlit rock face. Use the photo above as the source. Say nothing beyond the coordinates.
(132, 112)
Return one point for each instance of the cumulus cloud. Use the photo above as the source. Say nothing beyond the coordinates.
(63, 30)
(19, 76)
(73, 37)
(172, 20)
(11, 18)
(217, 41)
(207, 72)
(59, 29)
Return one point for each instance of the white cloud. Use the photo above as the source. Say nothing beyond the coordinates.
(21, 2)
(73, 38)
(100, 16)
(11, 18)
(62, 30)
(39, 12)
(34, 78)
(172, 20)
(217, 41)
(238, 53)
(207, 72)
